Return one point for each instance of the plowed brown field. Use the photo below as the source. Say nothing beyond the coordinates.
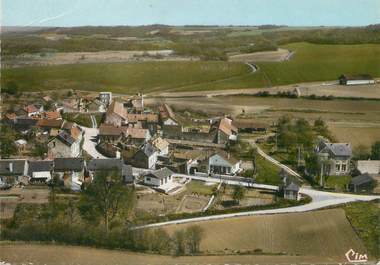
(324, 233)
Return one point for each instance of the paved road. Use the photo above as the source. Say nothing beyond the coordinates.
(90, 135)
(93, 120)
(320, 199)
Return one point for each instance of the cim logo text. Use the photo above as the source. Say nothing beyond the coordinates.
(356, 257)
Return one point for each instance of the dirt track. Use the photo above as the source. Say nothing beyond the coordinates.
(268, 56)
(19, 253)
(314, 88)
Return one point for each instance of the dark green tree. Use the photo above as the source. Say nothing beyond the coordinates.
(375, 151)
(106, 198)
(7, 142)
(238, 193)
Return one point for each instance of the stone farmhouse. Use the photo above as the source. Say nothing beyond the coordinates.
(335, 158)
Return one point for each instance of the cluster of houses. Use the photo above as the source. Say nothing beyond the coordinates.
(74, 173)
(132, 135)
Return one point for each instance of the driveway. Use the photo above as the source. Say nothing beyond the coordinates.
(90, 136)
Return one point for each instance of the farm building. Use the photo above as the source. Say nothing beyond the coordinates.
(146, 157)
(159, 177)
(221, 163)
(369, 166)
(105, 98)
(250, 126)
(167, 115)
(13, 167)
(98, 165)
(71, 171)
(40, 171)
(362, 183)
(356, 80)
(225, 131)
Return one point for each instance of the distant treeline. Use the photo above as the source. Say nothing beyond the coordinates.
(215, 43)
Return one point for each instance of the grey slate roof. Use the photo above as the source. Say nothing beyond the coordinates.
(361, 179)
(338, 149)
(292, 187)
(39, 166)
(148, 149)
(12, 166)
(66, 138)
(100, 164)
(68, 164)
(161, 173)
(127, 170)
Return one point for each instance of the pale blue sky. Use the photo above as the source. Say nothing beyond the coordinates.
(190, 12)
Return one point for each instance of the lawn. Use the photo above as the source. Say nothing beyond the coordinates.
(311, 62)
(122, 77)
(267, 173)
(200, 187)
(339, 183)
(364, 218)
(79, 118)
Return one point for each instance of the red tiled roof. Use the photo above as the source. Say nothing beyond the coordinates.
(225, 125)
(109, 130)
(52, 115)
(30, 108)
(142, 117)
(49, 123)
(136, 133)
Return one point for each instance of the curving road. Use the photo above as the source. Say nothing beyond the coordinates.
(89, 143)
(320, 199)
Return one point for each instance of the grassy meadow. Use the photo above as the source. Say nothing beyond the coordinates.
(311, 62)
(123, 78)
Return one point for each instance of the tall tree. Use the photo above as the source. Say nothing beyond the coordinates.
(106, 198)
(238, 193)
(194, 236)
(7, 144)
(375, 151)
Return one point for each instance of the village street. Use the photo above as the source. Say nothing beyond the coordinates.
(89, 142)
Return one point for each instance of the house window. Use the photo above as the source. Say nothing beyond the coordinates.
(337, 167)
(147, 179)
(344, 167)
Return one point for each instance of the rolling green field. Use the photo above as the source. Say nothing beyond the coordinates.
(123, 78)
(311, 62)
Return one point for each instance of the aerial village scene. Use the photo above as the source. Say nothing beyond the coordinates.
(126, 145)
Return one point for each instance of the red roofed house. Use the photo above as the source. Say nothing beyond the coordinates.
(226, 131)
(33, 110)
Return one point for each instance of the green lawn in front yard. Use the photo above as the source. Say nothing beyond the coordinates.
(200, 187)
(79, 118)
(339, 183)
(267, 173)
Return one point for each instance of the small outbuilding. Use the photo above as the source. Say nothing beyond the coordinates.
(362, 183)
(158, 177)
(351, 80)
